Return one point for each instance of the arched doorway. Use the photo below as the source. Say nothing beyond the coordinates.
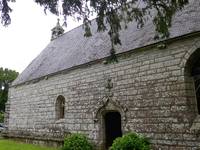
(112, 127)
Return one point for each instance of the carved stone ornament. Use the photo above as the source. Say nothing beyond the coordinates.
(109, 100)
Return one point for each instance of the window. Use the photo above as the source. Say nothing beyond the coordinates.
(192, 79)
(196, 76)
(60, 107)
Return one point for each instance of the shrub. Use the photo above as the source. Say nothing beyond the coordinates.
(131, 141)
(77, 142)
(1, 117)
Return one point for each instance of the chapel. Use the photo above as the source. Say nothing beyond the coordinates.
(152, 90)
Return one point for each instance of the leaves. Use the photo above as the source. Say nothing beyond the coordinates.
(131, 141)
(6, 77)
(77, 141)
(112, 13)
(5, 12)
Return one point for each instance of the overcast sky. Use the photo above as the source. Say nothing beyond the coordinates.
(28, 34)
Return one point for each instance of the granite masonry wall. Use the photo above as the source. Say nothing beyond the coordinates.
(150, 87)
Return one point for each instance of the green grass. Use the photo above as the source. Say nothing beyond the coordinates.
(12, 145)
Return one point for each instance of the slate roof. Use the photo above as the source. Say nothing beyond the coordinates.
(72, 48)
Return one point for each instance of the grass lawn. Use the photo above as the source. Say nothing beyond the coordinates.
(12, 145)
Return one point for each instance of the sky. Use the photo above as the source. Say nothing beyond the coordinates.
(27, 35)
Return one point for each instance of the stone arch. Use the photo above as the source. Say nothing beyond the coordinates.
(188, 54)
(60, 107)
(186, 61)
(188, 64)
(108, 104)
(105, 105)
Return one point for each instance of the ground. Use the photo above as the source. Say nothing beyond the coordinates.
(12, 145)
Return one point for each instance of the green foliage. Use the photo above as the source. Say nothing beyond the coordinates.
(130, 141)
(1, 117)
(6, 77)
(77, 142)
(5, 11)
(13, 145)
(111, 13)
(112, 58)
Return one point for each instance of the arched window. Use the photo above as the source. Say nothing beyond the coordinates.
(196, 77)
(192, 69)
(60, 107)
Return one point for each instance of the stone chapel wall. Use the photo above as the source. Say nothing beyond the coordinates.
(148, 89)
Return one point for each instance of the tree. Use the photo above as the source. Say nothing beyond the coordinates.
(111, 14)
(6, 77)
